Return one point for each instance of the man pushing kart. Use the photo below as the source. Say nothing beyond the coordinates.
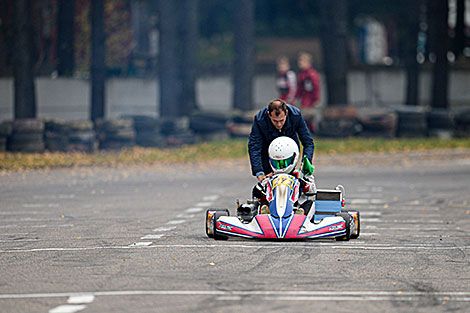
(273, 146)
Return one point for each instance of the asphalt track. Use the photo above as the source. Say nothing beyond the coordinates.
(132, 240)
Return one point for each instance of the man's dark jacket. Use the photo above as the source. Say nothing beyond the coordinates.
(263, 132)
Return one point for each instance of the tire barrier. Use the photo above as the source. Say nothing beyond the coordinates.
(115, 133)
(378, 123)
(340, 121)
(147, 130)
(70, 136)
(462, 123)
(5, 132)
(412, 122)
(27, 136)
(440, 123)
(239, 126)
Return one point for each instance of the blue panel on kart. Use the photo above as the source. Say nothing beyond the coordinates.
(326, 206)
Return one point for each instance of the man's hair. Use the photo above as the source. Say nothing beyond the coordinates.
(277, 106)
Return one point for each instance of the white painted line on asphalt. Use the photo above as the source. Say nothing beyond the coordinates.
(370, 213)
(81, 299)
(158, 236)
(30, 219)
(176, 222)
(368, 234)
(359, 298)
(210, 198)
(148, 245)
(203, 204)
(194, 210)
(18, 240)
(229, 298)
(370, 220)
(185, 215)
(141, 244)
(23, 213)
(68, 308)
(35, 226)
(167, 228)
(452, 295)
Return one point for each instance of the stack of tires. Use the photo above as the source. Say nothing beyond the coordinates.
(147, 130)
(440, 123)
(378, 123)
(462, 123)
(340, 121)
(115, 133)
(57, 135)
(412, 122)
(239, 125)
(70, 136)
(5, 132)
(176, 131)
(82, 136)
(27, 136)
(209, 125)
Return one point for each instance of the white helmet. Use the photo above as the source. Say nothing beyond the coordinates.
(283, 155)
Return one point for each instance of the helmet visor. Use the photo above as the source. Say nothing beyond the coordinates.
(281, 164)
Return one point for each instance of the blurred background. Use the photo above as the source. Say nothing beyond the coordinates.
(156, 72)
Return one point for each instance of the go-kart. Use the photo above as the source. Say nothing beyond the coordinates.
(323, 217)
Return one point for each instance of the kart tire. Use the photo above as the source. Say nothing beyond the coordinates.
(347, 220)
(355, 236)
(216, 216)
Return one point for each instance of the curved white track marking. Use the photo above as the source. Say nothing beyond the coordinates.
(203, 204)
(158, 236)
(210, 198)
(175, 222)
(81, 299)
(68, 308)
(167, 228)
(194, 210)
(185, 215)
(140, 244)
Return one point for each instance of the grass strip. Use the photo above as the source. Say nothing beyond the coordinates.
(229, 149)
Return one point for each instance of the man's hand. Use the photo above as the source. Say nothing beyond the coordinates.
(263, 177)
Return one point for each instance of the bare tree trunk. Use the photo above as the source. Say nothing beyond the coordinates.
(411, 63)
(98, 66)
(439, 32)
(335, 49)
(169, 77)
(189, 62)
(244, 59)
(65, 51)
(25, 97)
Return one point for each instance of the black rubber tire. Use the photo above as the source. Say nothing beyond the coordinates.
(355, 236)
(347, 219)
(218, 214)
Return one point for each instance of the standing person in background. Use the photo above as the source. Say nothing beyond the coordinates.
(286, 81)
(308, 84)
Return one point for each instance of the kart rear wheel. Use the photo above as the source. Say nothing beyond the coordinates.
(215, 217)
(347, 220)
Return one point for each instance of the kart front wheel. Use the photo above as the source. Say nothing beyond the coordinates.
(210, 220)
(347, 220)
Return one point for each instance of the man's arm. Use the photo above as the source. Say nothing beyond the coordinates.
(255, 144)
(305, 138)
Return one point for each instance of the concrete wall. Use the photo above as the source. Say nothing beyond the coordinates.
(70, 98)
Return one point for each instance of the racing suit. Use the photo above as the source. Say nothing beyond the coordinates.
(286, 84)
(308, 90)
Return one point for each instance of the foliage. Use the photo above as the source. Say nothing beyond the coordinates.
(230, 149)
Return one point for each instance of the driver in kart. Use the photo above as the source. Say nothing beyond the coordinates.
(283, 157)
